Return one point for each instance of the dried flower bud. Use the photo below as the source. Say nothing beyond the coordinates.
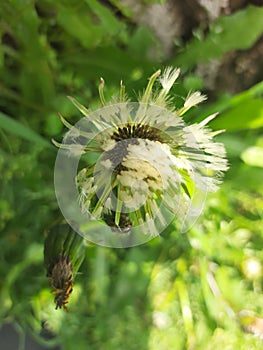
(63, 255)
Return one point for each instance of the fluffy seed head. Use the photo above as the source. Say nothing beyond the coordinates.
(150, 167)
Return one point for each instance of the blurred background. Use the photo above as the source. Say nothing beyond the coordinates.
(200, 290)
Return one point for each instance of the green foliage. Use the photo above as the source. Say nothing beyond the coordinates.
(12, 126)
(180, 291)
(238, 31)
(243, 111)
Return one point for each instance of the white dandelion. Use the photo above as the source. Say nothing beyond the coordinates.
(151, 167)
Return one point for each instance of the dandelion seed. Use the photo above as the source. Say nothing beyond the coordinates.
(169, 77)
(194, 99)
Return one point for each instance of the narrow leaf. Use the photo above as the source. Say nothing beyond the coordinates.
(14, 127)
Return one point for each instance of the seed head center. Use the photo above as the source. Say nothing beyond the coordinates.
(126, 135)
(136, 131)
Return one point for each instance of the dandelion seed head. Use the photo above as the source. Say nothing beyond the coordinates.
(150, 168)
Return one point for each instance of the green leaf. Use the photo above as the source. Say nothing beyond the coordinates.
(34, 53)
(247, 114)
(240, 112)
(236, 32)
(14, 127)
(79, 26)
(108, 21)
(141, 42)
(243, 111)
